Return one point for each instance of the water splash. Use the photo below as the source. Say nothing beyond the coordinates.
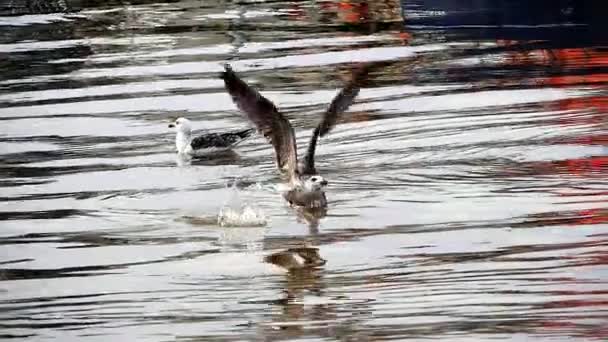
(245, 216)
(236, 213)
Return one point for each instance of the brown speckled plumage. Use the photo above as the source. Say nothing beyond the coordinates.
(277, 129)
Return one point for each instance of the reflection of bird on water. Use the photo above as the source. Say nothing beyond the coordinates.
(296, 258)
(306, 185)
(303, 298)
(206, 143)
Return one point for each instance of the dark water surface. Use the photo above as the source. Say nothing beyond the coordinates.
(468, 184)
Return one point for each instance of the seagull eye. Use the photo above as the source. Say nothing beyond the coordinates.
(314, 179)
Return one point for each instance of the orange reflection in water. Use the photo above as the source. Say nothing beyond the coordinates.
(572, 67)
(369, 16)
(591, 216)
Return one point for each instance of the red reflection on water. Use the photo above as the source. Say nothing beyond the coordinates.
(576, 57)
(597, 258)
(599, 139)
(369, 16)
(599, 332)
(564, 58)
(353, 12)
(575, 79)
(592, 216)
(600, 218)
(589, 111)
(591, 166)
(575, 67)
(582, 167)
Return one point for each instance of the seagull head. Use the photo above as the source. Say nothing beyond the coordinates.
(181, 125)
(315, 183)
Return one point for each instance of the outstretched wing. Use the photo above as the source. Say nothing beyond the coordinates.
(338, 105)
(266, 118)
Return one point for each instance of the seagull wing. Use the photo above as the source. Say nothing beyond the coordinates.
(220, 140)
(338, 105)
(266, 118)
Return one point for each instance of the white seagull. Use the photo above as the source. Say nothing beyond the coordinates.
(306, 185)
(206, 143)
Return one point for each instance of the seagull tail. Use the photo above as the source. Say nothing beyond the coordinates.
(246, 133)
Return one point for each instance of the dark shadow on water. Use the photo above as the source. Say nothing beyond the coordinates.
(219, 158)
(43, 215)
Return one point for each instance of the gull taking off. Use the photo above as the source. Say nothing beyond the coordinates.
(206, 143)
(306, 185)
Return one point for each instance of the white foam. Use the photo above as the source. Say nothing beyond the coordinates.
(243, 217)
(235, 213)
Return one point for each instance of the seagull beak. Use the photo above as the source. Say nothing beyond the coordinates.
(171, 125)
(324, 183)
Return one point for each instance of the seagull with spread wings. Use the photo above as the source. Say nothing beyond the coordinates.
(306, 185)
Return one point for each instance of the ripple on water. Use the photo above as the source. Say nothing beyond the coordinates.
(466, 184)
